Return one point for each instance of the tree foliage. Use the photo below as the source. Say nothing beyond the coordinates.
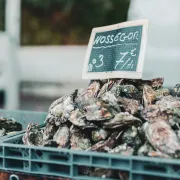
(46, 22)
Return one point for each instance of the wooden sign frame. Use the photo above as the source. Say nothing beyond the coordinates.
(117, 74)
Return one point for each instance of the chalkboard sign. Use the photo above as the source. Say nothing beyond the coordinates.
(116, 51)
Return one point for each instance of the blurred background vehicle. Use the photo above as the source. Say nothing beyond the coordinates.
(48, 41)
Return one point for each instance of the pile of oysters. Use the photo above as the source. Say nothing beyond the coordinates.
(9, 126)
(122, 116)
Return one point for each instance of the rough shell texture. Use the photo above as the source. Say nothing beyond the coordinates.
(97, 110)
(122, 119)
(59, 110)
(33, 135)
(78, 140)
(123, 149)
(129, 91)
(105, 146)
(99, 135)
(78, 118)
(129, 105)
(62, 137)
(162, 137)
(149, 95)
(131, 138)
(162, 92)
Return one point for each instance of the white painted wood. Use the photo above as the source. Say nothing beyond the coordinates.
(9, 44)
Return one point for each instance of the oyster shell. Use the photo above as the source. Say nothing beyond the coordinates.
(60, 110)
(147, 150)
(131, 138)
(78, 139)
(78, 118)
(149, 95)
(97, 110)
(122, 119)
(62, 137)
(122, 149)
(49, 131)
(162, 92)
(129, 105)
(176, 90)
(105, 146)
(162, 137)
(33, 135)
(106, 87)
(90, 92)
(156, 83)
(129, 91)
(154, 112)
(10, 125)
(99, 135)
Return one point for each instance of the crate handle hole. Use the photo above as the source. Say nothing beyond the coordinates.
(13, 177)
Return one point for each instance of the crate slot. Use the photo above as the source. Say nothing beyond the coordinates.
(50, 168)
(1, 162)
(16, 152)
(149, 167)
(82, 159)
(1, 150)
(59, 157)
(16, 164)
(100, 161)
(52, 156)
(120, 163)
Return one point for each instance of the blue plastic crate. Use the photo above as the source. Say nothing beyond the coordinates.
(23, 117)
(14, 156)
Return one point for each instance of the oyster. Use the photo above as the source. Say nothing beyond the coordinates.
(62, 137)
(168, 102)
(10, 125)
(78, 118)
(122, 119)
(149, 95)
(97, 110)
(99, 135)
(131, 138)
(110, 98)
(148, 150)
(162, 137)
(154, 112)
(90, 92)
(162, 92)
(49, 131)
(106, 87)
(129, 105)
(176, 90)
(60, 110)
(33, 135)
(129, 91)
(123, 149)
(156, 83)
(78, 140)
(105, 146)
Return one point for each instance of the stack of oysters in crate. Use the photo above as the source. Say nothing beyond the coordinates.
(122, 116)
